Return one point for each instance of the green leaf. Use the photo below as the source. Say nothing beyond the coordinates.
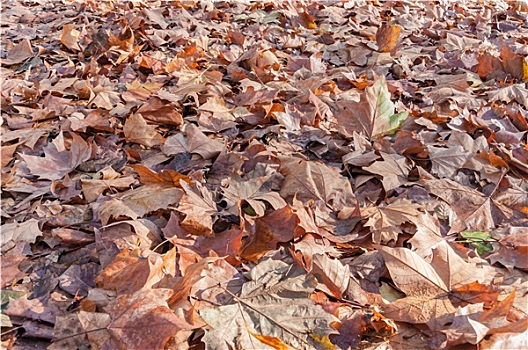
(6, 294)
(479, 240)
(395, 121)
(475, 236)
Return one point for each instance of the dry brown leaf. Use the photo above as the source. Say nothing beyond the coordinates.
(25, 232)
(70, 37)
(137, 130)
(19, 53)
(130, 272)
(138, 202)
(92, 189)
(194, 141)
(513, 249)
(133, 317)
(332, 273)
(160, 111)
(198, 207)
(393, 169)
(58, 160)
(426, 300)
(256, 192)
(385, 220)
(308, 180)
(267, 231)
(476, 211)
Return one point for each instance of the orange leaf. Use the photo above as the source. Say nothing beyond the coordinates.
(274, 342)
(387, 38)
(165, 176)
(307, 20)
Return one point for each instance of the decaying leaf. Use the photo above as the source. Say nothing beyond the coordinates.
(70, 37)
(385, 220)
(273, 304)
(137, 130)
(387, 37)
(264, 175)
(58, 160)
(374, 114)
(138, 202)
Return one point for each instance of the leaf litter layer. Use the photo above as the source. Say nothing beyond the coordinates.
(252, 175)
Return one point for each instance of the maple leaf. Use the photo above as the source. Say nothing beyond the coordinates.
(254, 191)
(427, 284)
(307, 180)
(70, 37)
(92, 189)
(274, 304)
(472, 322)
(373, 115)
(513, 248)
(473, 208)
(332, 273)
(198, 207)
(138, 202)
(129, 322)
(19, 53)
(160, 111)
(58, 160)
(426, 300)
(165, 176)
(130, 272)
(25, 232)
(137, 130)
(447, 161)
(267, 231)
(385, 220)
(393, 169)
(194, 141)
(387, 37)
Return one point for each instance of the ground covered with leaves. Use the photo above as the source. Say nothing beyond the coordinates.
(264, 175)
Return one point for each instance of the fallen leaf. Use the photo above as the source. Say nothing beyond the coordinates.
(393, 169)
(19, 53)
(473, 208)
(256, 192)
(92, 189)
(138, 131)
(447, 161)
(387, 38)
(25, 232)
(267, 231)
(165, 176)
(138, 202)
(194, 141)
(373, 115)
(261, 309)
(198, 207)
(426, 293)
(332, 273)
(309, 180)
(160, 111)
(70, 37)
(58, 160)
(513, 249)
(385, 221)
